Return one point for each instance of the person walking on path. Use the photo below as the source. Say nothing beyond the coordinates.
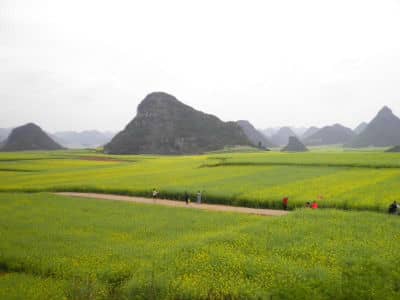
(187, 198)
(285, 202)
(393, 208)
(199, 197)
(154, 194)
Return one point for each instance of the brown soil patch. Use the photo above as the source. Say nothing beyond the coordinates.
(107, 159)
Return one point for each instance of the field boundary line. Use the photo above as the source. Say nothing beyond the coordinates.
(290, 164)
(174, 203)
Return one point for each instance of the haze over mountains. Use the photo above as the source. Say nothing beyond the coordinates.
(269, 132)
(83, 139)
(360, 128)
(164, 125)
(4, 133)
(299, 131)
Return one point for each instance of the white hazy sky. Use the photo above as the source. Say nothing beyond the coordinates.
(85, 64)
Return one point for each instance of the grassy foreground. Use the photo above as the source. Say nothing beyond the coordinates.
(54, 247)
(346, 180)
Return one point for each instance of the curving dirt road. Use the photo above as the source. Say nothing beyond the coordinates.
(213, 207)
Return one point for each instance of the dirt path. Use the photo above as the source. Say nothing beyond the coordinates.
(213, 207)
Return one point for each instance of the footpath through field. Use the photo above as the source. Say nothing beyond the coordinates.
(213, 207)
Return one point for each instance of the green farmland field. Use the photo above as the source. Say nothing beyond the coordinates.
(346, 180)
(54, 247)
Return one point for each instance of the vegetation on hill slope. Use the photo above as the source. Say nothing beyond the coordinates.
(382, 131)
(164, 125)
(29, 137)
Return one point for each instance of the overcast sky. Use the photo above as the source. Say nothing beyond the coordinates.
(86, 64)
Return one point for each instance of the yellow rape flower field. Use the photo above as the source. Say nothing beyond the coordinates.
(345, 180)
(57, 247)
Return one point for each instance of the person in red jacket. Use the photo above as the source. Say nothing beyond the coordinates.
(314, 205)
(285, 202)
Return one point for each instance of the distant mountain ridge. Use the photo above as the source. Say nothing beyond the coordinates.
(269, 132)
(254, 135)
(164, 125)
(330, 135)
(29, 137)
(382, 131)
(83, 139)
(309, 132)
(281, 137)
(299, 131)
